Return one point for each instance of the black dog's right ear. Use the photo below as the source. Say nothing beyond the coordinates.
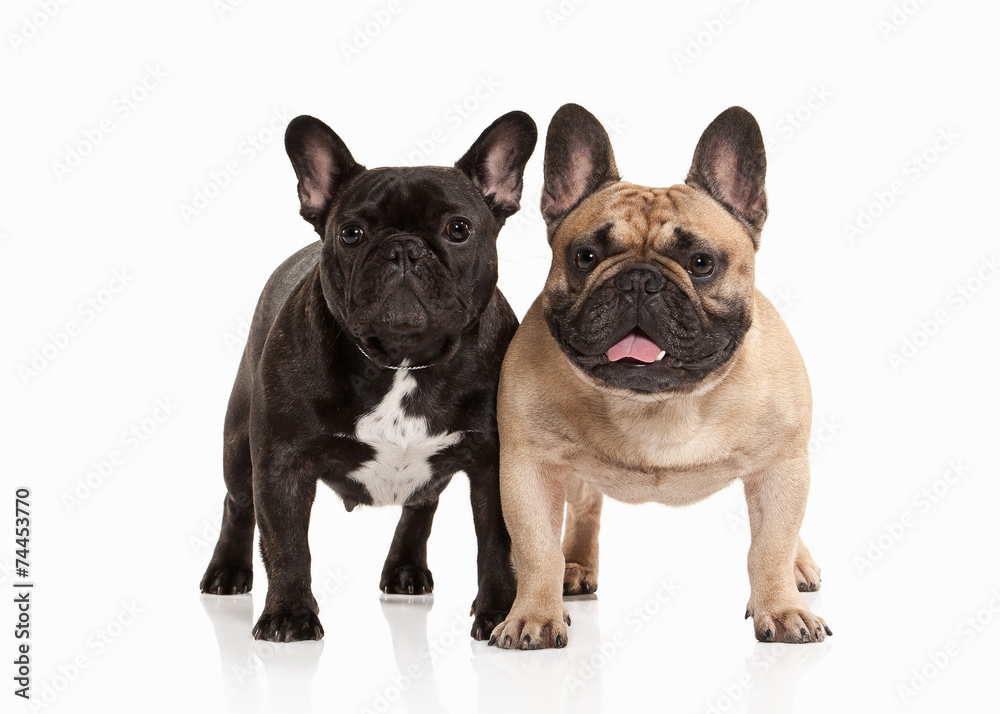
(578, 161)
(322, 165)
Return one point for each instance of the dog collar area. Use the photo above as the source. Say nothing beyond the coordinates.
(402, 368)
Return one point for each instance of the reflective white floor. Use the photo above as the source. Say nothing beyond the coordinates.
(664, 630)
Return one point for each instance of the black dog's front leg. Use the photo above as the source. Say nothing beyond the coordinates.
(497, 585)
(405, 569)
(283, 502)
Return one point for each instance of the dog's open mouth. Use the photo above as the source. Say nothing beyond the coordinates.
(636, 348)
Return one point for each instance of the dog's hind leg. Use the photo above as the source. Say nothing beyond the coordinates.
(806, 571)
(583, 523)
(230, 571)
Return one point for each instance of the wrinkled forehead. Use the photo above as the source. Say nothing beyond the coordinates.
(655, 218)
(409, 197)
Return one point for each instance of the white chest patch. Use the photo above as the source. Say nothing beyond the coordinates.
(402, 447)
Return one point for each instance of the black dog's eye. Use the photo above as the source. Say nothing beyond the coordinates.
(351, 234)
(458, 230)
(701, 265)
(585, 259)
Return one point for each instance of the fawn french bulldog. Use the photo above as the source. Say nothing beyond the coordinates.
(651, 369)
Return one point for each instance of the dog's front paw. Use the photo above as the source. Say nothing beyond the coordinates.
(789, 624)
(578, 580)
(408, 580)
(288, 625)
(227, 579)
(532, 631)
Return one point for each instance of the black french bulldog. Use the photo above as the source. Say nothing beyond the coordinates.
(372, 365)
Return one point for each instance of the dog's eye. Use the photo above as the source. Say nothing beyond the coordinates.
(351, 235)
(701, 265)
(458, 230)
(585, 259)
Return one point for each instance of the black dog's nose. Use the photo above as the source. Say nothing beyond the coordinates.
(405, 252)
(647, 279)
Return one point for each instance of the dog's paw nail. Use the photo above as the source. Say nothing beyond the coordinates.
(768, 635)
(506, 642)
(586, 587)
(804, 634)
(829, 632)
(747, 616)
(560, 642)
(493, 641)
(567, 618)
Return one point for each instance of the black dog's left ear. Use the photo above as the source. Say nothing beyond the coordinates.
(729, 163)
(495, 163)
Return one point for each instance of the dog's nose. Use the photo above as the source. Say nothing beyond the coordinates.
(405, 252)
(646, 279)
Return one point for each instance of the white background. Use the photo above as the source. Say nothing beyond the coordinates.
(118, 622)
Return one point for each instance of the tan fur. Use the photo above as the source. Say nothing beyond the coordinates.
(583, 522)
(566, 436)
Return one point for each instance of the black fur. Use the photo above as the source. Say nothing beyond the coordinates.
(406, 295)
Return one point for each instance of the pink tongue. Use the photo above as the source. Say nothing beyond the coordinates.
(636, 346)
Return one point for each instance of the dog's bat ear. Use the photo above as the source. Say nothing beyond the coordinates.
(495, 162)
(322, 165)
(578, 161)
(730, 163)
